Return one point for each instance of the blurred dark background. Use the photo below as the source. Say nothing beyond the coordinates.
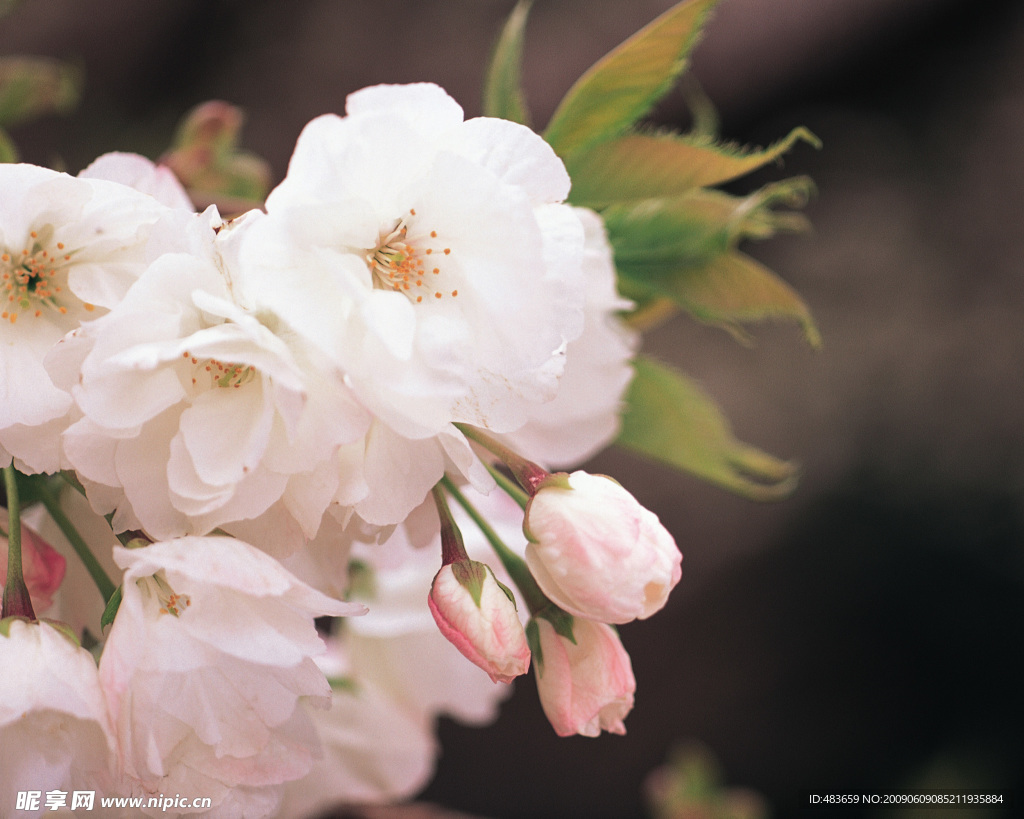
(862, 634)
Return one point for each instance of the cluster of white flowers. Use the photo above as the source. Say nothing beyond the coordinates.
(267, 407)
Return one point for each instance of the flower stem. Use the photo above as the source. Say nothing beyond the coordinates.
(509, 486)
(453, 549)
(92, 565)
(516, 567)
(529, 474)
(16, 599)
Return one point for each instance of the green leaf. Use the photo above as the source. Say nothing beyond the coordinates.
(503, 90)
(660, 237)
(736, 289)
(206, 158)
(112, 606)
(642, 166)
(624, 84)
(670, 419)
(8, 150)
(33, 86)
(682, 248)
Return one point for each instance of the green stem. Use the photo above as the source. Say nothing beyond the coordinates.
(511, 487)
(16, 599)
(529, 474)
(92, 565)
(453, 550)
(516, 567)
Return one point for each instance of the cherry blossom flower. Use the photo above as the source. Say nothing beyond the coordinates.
(430, 258)
(197, 411)
(596, 552)
(69, 249)
(50, 689)
(585, 686)
(584, 416)
(207, 659)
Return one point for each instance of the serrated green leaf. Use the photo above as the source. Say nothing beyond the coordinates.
(642, 166)
(624, 84)
(33, 86)
(503, 89)
(112, 606)
(655, 238)
(670, 419)
(735, 289)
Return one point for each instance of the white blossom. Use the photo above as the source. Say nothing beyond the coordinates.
(55, 733)
(204, 667)
(69, 250)
(430, 258)
(199, 411)
(585, 415)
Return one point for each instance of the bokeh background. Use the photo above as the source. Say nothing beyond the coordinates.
(866, 633)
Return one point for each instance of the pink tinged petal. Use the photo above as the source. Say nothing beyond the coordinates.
(232, 564)
(141, 465)
(487, 633)
(587, 687)
(142, 174)
(49, 688)
(399, 473)
(597, 553)
(374, 751)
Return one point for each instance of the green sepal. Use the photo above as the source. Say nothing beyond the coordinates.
(533, 641)
(503, 90)
(33, 86)
(506, 590)
(645, 165)
(65, 630)
(670, 419)
(562, 623)
(112, 605)
(626, 83)
(560, 620)
(471, 575)
(559, 480)
(5, 623)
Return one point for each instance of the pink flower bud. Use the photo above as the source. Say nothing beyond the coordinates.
(41, 565)
(478, 616)
(584, 687)
(596, 552)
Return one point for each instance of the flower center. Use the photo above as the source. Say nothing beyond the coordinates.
(414, 266)
(34, 278)
(218, 373)
(156, 587)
